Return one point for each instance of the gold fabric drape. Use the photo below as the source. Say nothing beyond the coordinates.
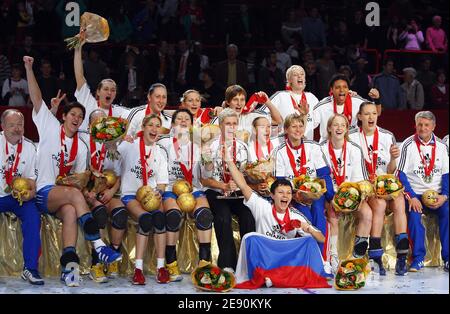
(11, 260)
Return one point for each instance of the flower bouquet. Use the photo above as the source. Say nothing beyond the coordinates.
(209, 132)
(260, 172)
(347, 198)
(352, 274)
(311, 188)
(109, 130)
(366, 189)
(212, 278)
(388, 186)
(76, 180)
(93, 28)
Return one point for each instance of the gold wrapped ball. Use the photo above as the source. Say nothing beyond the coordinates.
(20, 185)
(111, 178)
(142, 192)
(186, 202)
(429, 197)
(151, 202)
(181, 187)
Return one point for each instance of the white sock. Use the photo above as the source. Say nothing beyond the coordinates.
(139, 263)
(160, 263)
(98, 244)
(333, 245)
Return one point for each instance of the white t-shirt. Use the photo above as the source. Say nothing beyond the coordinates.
(283, 102)
(355, 169)
(445, 140)
(324, 110)
(314, 160)
(49, 148)
(218, 164)
(138, 114)
(410, 163)
(175, 172)
(131, 170)
(26, 167)
(84, 97)
(266, 223)
(17, 99)
(252, 157)
(385, 140)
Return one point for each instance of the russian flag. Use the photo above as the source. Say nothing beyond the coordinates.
(288, 263)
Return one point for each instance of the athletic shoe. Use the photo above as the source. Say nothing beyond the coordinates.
(138, 277)
(162, 275)
(400, 266)
(97, 273)
(416, 265)
(32, 276)
(379, 266)
(113, 270)
(71, 276)
(174, 271)
(107, 255)
(334, 261)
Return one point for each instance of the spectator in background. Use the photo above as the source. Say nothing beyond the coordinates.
(361, 80)
(132, 78)
(23, 18)
(212, 94)
(168, 12)
(5, 68)
(296, 48)
(48, 83)
(191, 18)
(412, 89)
(312, 77)
(290, 28)
(15, 88)
(270, 77)
(27, 50)
(392, 33)
(161, 65)
(412, 36)
(313, 30)
(339, 40)
(188, 68)
(231, 71)
(346, 71)
(436, 37)
(439, 92)
(391, 95)
(204, 59)
(120, 26)
(283, 59)
(145, 23)
(326, 69)
(242, 29)
(7, 22)
(358, 29)
(95, 69)
(427, 78)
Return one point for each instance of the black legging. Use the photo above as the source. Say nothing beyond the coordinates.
(222, 210)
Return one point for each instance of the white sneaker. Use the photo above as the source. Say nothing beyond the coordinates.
(71, 275)
(327, 268)
(334, 260)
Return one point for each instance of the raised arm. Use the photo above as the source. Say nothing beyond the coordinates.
(78, 66)
(239, 179)
(33, 87)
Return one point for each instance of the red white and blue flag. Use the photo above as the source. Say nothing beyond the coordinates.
(288, 263)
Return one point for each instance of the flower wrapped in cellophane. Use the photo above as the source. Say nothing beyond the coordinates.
(311, 188)
(347, 198)
(258, 172)
(109, 130)
(352, 274)
(366, 189)
(213, 278)
(76, 180)
(93, 29)
(388, 186)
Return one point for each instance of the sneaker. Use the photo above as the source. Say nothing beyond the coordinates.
(400, 266)
(446, 266)
(416, 265)
(379, 266)
(97, 273)
(174, 271)
(138, 277)
(107, 255)
(334, 261)
(113, 270)
(71, 275)
(162, 275)
(203, 263)
(32, 276)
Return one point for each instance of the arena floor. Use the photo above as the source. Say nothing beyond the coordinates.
(431, 280)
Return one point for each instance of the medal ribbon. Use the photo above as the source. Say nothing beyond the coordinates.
(285, 224)
(227, 177)
(335, 168)
(187, 173)
(109, 110)
(373, 155)
(143, 158)
(148, 110)
(427, 169)
(302, 170)
(64, 168)
(97, 162)
(9, 172)
(258, 149)
(303, 101)
(347, 108)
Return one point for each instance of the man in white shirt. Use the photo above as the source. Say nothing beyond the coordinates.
(18, 159)
(423, 166)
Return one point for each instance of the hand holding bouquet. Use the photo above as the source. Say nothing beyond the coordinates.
(109, 130)
(93, 29)
(260, 172)
(347, 198)
(352, 274)
(212, 278)
(310, 188)
(388, 186)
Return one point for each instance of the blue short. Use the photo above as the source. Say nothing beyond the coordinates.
(127, 198)
(42, 198)
(196, 194)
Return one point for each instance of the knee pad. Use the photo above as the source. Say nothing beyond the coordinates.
(360, 247)
(159, 221)
(100, 215)
(145, 224)
(173, 220)
(90, 227)
(401, 244)
(69, 257)
(203, 218)
(119, 218)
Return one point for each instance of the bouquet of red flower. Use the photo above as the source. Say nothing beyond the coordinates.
(212, 278)
(352, 274)
(109, 130)
(388, 186)
(312, 188)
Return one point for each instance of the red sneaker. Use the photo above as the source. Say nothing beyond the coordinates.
(138, 278)
(162, 275)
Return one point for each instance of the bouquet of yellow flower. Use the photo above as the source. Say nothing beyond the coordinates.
(366, 189)
(388, 186)
(312, 188)
(93, 28)
(212, 278)
(347, 198)
(352, 274)
(109, 130)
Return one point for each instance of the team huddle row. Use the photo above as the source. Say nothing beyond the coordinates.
(159, 150)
